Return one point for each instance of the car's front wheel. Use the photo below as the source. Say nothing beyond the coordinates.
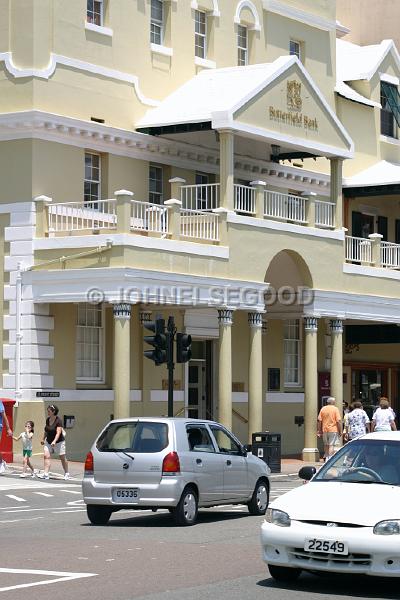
(98, 515)
(259, 500)
(284, 573)
(185, 513)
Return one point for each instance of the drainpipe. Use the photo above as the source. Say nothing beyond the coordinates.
(18, 335)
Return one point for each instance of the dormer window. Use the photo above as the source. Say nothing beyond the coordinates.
(390, 112)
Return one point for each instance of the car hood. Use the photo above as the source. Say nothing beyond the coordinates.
(358, 503)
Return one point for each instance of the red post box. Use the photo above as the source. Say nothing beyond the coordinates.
(6, 442)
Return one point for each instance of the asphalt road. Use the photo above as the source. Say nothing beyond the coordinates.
(47, 544)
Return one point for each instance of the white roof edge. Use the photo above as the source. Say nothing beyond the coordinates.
(341, 30)
(344, 90)
(382, 172)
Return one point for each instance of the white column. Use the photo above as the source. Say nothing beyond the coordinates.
(122, 360)
(336, 190)
(336, 326)
(255, 373)
(225, 367)
(226, 168)
(310, 450)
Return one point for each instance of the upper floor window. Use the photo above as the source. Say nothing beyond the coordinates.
(95, 12)
(200, 36)
(243, 46)
(292, 352)
(390, 112)
(157, 22)
(90, 343)
(155, 184)
(295, 49)
(92, 182)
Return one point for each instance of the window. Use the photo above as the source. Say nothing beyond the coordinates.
(134, 436)
(90, 343)
(92, 183)
(292, 352)
(157, 22)
(200, 28)
(295, 49)
(199, 439)
(389, 96)
(225, 442)
(94, 12)
(202, 193)
(243, 51)
(155, 184)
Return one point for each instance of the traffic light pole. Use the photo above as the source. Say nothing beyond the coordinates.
(170, 364)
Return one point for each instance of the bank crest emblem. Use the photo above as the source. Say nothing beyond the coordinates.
(294, 101)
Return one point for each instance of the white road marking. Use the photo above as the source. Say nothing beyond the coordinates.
(44, 494)
(68, 511)
(10, 507)
(70, 491)
(59, 577)
(17, 521)
(17, 498)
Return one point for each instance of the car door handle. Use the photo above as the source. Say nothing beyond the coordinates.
(199, 461)
(229, 462)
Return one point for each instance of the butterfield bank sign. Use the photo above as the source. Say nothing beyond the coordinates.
(293, 115)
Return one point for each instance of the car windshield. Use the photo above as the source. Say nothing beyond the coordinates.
(364, 461)
(134, 436)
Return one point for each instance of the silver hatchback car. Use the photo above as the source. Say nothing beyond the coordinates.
(178, 464)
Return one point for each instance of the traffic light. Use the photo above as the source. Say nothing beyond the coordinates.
(183, 351)
(158, 341)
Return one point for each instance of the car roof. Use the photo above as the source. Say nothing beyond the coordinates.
(393, 436)
(163, 420)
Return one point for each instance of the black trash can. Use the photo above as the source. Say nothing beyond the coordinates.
(267, 446)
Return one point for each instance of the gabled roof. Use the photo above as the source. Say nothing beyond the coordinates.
(344, 90)
(381, 173)
(355, 62)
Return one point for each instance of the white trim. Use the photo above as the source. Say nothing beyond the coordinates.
(160, 49)
(240, 397)
(285, 397)
(279, 8)
(389, 78)
(247, 4)
(99, 29)
(79, 395)
(162, 396)
(371, 272)
(58, 59)
(205, 63)
(337, 234)
(132, 240)
(388, 140)
(213, 13)
(345, 91)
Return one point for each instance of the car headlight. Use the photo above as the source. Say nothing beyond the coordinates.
(277, 517)
(391, 527)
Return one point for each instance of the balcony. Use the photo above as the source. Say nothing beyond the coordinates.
(372, 252)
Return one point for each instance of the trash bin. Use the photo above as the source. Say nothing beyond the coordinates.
(267, 446)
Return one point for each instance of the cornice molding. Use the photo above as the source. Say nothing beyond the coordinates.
(132, 144)
(275, 6)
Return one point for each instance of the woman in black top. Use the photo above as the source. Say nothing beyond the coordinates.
(53, 441)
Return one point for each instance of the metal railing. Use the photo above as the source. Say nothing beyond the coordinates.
(77, 216)
(390, 255)
(285, 206)
(324, 214)
(358, 250)
(199, 225)
(146, 216)
(244, 199)
(200, 197)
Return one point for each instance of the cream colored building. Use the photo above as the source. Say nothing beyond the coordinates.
(188, 158)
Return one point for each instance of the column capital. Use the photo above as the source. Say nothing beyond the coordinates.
(255, 319)
(122, 310)
(225, 316)
(336, 325)
(310, 323)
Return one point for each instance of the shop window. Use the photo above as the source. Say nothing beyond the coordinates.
(243, 46)
(157, 22)
(90, 343)
(292, 353)
(155, 184)
(200, 34)
(95, 12)
(92, 181)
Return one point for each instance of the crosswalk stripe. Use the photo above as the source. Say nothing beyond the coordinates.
(43, 494)
(17, 498)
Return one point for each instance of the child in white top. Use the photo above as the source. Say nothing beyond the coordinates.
(26, 437)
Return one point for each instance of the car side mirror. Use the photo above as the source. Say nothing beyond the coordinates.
(307, 473)
(246, 449)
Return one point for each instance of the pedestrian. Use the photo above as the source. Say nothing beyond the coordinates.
(53, 442)
(3, 419)
(383, 419)
(356, 422)
(329, 427)
(26, 437)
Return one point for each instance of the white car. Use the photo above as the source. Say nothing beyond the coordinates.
(345, 520)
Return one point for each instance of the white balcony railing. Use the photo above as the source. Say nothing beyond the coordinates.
(76, 216)
(324, 214)
(286, 207)
(200, 197)
(244, 199)
(146, 216)
(390, 255)
(358, 250)
(199, 225)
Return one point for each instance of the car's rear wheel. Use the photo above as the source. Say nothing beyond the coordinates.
(186, 510)
(259, 500)
(98, 515)
(284, 573)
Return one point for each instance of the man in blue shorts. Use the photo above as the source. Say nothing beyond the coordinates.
(3, 419)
